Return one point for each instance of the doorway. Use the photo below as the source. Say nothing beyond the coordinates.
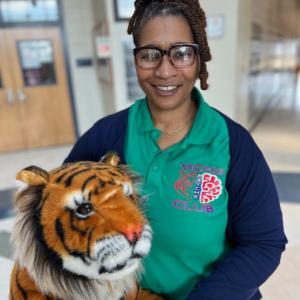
(35, 106)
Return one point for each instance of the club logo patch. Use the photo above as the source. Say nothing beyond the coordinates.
(208, 188)
(197, 191)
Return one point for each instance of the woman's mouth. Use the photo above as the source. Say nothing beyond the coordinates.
(166, 90)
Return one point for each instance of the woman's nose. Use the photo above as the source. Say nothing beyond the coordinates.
(165, 69)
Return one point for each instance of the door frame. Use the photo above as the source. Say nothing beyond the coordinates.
(60, 24)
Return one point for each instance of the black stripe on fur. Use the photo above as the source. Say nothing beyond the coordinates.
(87, 181)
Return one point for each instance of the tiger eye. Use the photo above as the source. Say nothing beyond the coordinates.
(84, 209)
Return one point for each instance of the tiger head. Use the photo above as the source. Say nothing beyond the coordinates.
(81, 220)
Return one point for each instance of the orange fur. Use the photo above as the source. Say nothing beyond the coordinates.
(67, 219)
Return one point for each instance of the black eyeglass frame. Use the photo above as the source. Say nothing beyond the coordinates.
(167, 52)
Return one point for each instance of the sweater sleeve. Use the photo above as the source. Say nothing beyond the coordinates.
(107, 134)
(86, 148)
(255, 228)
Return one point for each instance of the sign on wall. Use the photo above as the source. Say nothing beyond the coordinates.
(103, 47)
(215, 26)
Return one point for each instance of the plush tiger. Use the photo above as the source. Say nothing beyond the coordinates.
(79, 234)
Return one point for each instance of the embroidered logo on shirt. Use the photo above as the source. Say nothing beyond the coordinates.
(185, 182)
(198, 191)
(208, 188)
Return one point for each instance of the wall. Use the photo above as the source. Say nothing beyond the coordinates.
(230, 64)
(223, 66)
(102, 16)
(118, 31)
(79, 22)
(243, 44)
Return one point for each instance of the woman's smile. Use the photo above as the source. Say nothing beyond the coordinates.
(166, 90)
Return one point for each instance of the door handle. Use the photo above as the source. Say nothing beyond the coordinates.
(10, 96)
(21, 96)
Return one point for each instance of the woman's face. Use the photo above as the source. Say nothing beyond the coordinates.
(167, 87)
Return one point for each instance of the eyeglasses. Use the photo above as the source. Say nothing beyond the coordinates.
(180, 55)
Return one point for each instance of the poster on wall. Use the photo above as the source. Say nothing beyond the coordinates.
(123, 9)
(134, 91)
(215, 26)
(103, 48)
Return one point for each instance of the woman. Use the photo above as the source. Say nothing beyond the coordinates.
(211, 201)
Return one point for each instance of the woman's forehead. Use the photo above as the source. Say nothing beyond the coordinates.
(165, 31)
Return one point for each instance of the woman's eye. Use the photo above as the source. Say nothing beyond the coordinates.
(150, 55)
(84, 210)
(182, 53)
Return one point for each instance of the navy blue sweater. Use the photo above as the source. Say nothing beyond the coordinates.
(254, 228)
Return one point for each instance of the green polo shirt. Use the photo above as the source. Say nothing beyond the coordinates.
(186, 201)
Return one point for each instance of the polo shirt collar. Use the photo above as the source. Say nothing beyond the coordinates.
(202, 131)
(144, 121)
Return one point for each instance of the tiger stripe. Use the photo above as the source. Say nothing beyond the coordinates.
(87, 181)
(60, 178)
(68, 181)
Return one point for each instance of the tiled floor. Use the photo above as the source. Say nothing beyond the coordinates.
(11, 163)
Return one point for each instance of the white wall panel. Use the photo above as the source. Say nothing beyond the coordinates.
(79, 22)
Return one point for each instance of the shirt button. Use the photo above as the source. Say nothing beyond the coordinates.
(155, 168)
(156, 134)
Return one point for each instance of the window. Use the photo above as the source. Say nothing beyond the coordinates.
(123, 9)
(37, 62)
(26, 11)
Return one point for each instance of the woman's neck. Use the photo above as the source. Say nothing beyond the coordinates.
(175, 120)
(174, 125)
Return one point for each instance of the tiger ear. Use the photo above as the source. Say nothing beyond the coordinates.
(111, 158)
(33, 176)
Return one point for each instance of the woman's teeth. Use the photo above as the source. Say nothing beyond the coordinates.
(166, 88)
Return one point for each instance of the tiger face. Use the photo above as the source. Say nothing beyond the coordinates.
(88, 219)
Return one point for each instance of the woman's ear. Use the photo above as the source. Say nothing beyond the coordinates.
(33, 176)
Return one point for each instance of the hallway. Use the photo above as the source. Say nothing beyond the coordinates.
(278, 133)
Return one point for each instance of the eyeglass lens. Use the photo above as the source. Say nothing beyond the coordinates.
(180, 56)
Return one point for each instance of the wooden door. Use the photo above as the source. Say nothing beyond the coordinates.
(38, 72)
(11, 131)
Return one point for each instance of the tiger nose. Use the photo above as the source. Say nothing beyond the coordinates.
(133, 232)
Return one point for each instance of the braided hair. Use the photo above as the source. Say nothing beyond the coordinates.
(189, 9)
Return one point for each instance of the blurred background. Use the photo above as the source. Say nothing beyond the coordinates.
(66, 63)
